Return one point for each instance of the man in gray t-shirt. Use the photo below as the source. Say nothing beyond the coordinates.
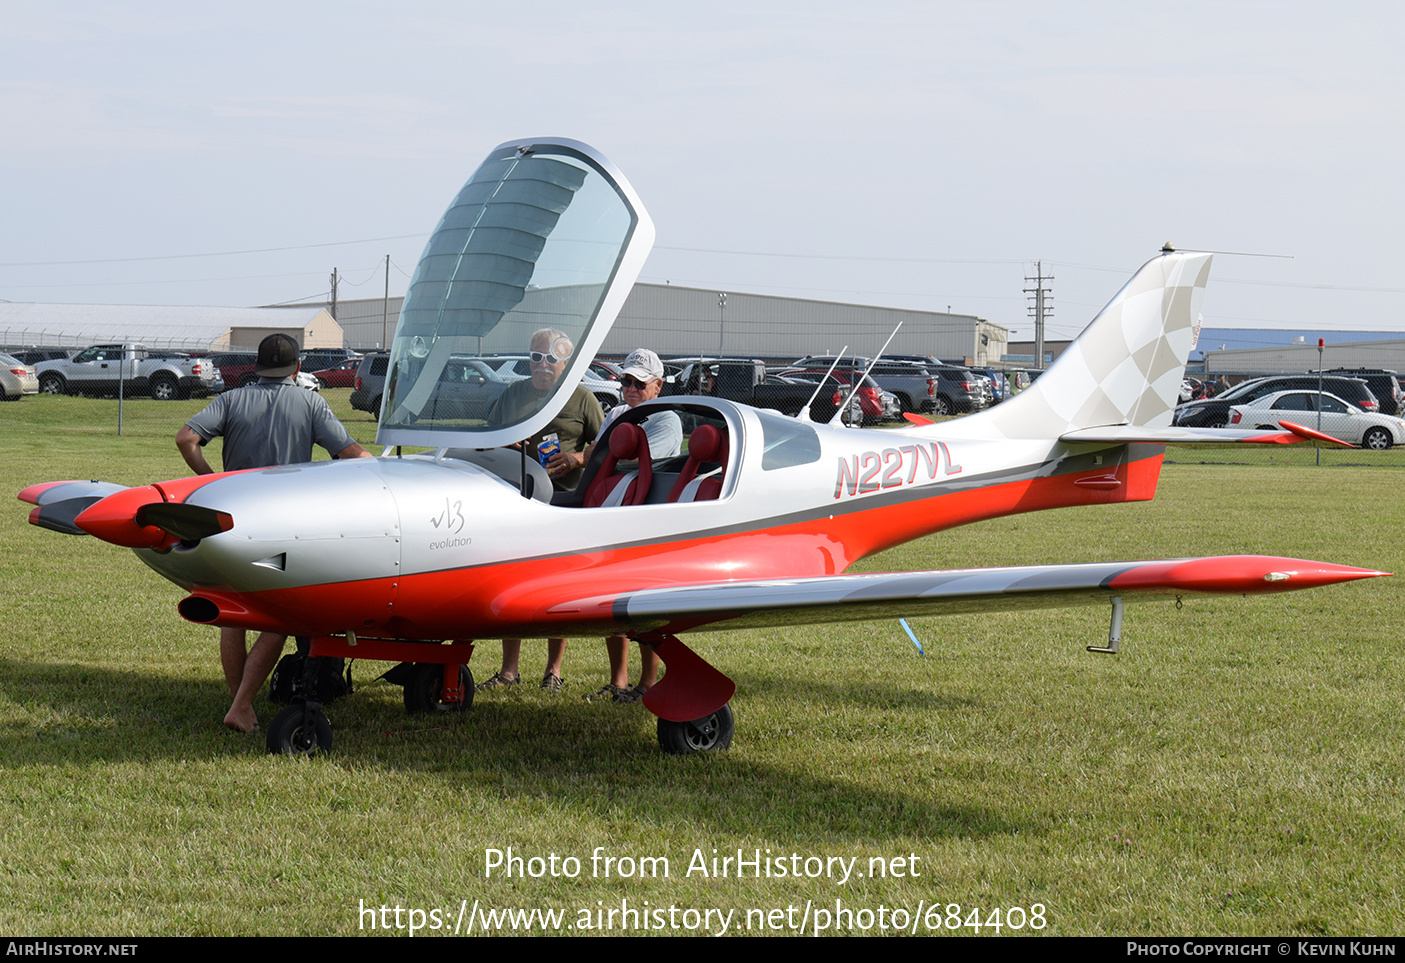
(270, 423)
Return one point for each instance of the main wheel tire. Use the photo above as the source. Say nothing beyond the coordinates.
(164, 388)
(52, 384)
(426, 684)
(1377, 439)
(941, 407)
(711, 734)
(289, 735)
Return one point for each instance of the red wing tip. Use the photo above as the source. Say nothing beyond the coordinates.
(32, 493)
(1236, 574)
(1311, 434)
(917, 419)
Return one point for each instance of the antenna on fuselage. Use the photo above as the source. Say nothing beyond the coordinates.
(805, 411)
(860, 379)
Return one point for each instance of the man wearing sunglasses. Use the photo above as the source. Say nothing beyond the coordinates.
(577, 425)
(642, 378)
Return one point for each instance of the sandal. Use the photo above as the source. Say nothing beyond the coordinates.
(631, 695)
(552, 683)
(605, 693)
(498, 681)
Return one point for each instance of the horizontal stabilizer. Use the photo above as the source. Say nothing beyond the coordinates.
(836, 598)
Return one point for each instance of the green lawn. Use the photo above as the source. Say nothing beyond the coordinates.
(1236, 770)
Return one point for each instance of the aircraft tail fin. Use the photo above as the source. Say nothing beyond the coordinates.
(1125, 368)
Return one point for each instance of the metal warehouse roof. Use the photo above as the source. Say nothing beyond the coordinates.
(201, 328)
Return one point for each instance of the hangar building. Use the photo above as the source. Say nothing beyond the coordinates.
(675, 321)
(679, 321)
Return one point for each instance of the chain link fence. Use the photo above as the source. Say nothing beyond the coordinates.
(139, 414)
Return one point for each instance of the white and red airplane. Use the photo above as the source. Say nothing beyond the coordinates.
(391, 558)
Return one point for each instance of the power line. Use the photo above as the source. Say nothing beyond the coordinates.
(838, 257)
(178, 257)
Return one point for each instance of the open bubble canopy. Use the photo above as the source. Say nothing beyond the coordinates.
(546, 236)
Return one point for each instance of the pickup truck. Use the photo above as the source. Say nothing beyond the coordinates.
(746, 380)
(95, 371)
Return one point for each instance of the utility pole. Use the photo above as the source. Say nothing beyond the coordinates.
(721, 321)
(385, 306)
(1040, 309)
(334, 294)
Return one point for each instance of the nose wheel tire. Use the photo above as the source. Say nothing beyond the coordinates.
(297, 732)
(710, 734)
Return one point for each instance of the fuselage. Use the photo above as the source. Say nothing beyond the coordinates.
(421, 548)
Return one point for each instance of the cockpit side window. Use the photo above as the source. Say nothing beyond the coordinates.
(666, 472)
(786, 442)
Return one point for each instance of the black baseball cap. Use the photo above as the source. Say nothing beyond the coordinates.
(278, 357)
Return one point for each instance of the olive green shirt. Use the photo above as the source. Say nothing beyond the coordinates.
(576, 425)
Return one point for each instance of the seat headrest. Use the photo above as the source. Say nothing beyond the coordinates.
(625, 442)
(705, 443)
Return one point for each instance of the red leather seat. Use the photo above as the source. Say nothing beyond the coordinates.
(706, 444)
(627, 443)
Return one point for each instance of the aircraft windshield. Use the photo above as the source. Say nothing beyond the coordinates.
(534, 256)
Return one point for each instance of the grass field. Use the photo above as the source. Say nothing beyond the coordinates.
(1236, 770)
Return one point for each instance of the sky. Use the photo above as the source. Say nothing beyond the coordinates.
(918, 155)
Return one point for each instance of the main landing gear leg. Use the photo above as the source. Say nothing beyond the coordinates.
(1114, 632)
(691, 700)
(435, 677)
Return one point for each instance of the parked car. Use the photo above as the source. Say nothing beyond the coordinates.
(35, 355)
(1341, 420)
(870, 396)
(959, 389)
(1214, 412)
(339, 376)
(747, 381)
(516, 367)
(370, 383)
(316, 359)
(1383, 384)
(235, 367)
(16, 378)
(952, 390)
(99, 370)
(467, 388)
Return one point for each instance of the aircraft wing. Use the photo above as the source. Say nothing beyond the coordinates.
(1136, 434)
(837, 598)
